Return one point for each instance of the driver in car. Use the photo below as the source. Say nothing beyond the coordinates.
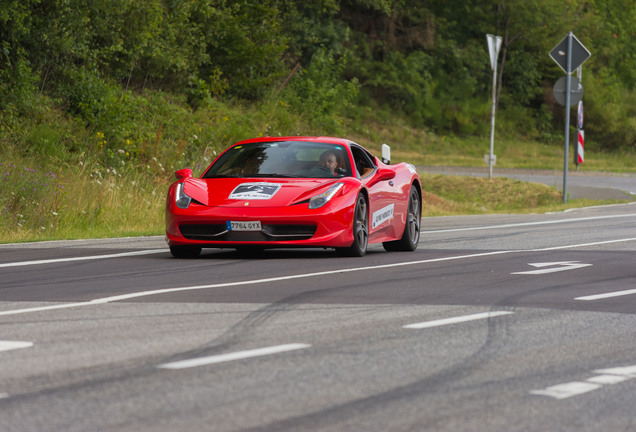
(327, 165)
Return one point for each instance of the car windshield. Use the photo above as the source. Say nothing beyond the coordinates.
(282, 159)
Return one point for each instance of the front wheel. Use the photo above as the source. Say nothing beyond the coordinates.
(411, 236)
(360, 230)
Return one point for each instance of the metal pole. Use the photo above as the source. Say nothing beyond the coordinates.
(494, 43)
(568, 89)
(579, 75)
(492, 119)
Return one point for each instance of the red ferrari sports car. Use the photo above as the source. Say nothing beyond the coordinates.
(295, 192)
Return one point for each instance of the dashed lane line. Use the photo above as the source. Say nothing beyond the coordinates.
(240, 355)
(608, 377)
(607, 295)
(12, 345)
(455, 320)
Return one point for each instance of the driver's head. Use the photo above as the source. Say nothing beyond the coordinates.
(328, 160)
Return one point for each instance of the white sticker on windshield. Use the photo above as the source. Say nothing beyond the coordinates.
(255, 191)
(382, 215)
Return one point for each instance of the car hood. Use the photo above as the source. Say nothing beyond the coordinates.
(259, 192)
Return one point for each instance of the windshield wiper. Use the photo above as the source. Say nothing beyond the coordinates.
(220, 176)
(275, 175)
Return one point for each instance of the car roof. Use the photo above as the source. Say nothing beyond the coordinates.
(321, 139)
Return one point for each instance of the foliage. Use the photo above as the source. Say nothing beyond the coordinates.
(318, 91)
(610, 113)
(423, 61)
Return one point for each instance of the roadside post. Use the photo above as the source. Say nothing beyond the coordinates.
(494, 44)
(569, 54)
(579, 155)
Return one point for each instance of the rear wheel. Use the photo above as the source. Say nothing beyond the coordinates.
(411, 236)
(185, 251)
(360, 230)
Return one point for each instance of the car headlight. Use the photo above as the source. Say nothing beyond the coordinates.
(181, 199)
(322, 199)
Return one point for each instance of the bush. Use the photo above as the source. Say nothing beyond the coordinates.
(17, 91)
(610, 113)
(319, 93)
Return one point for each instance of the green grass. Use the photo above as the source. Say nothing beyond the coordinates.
(459, 195)
(62, 180)
(39, 203)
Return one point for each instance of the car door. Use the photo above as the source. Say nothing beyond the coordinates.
(383, 194)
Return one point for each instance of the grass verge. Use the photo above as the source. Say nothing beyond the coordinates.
(62, 180)
(79, 202)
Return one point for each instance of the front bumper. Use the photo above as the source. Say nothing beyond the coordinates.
(290, 226)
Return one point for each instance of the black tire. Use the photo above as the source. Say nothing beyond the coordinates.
(360, 230)
(185, 251)
(411, 236)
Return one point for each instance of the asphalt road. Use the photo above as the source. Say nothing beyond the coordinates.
(495, 323)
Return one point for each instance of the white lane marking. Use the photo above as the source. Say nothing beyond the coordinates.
(561, 266)
(522, 224)
(85, 258)
(86, 242)
(607, 379)
(4, 395)
(240, 355)
(12, 345)
(231, 284)
(567, 390)
(455, 320)
(628, 371)
(609, 376)
(599, 243)
(44, 308)
(299, 276)
(607, 295)
(478, 228)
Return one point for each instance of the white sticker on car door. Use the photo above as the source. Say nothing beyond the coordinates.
(382, 215)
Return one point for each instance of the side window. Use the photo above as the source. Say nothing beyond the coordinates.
(363, 161)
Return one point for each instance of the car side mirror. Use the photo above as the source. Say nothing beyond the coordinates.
(382, 174)
(183, 173)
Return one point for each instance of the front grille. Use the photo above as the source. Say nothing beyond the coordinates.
(202, 231)
(286, 231)
(269, 232)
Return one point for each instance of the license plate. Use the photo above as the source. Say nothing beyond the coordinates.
(243, 225)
